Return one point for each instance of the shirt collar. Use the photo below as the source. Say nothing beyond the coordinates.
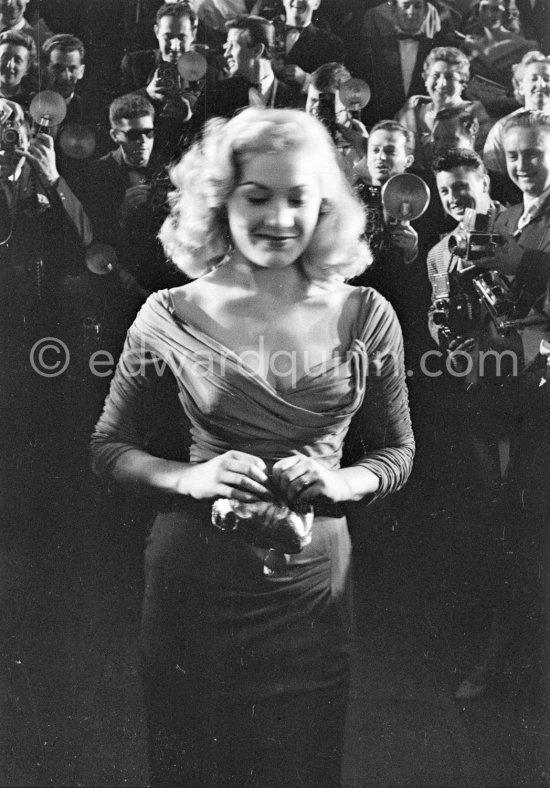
(19, 26)
(532, 204)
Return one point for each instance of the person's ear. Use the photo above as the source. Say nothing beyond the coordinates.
(258, 51)
(325, 207)
(113, 135)
(409, 161)
(81, 71)
(486, 183)
(156, 29)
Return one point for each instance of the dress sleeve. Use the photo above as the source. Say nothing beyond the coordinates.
(142, 410)
(381, 429)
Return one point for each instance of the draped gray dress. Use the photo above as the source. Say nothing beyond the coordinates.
(246, 675)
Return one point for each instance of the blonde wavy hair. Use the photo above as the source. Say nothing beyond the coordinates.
(196, 233)
(519, 69)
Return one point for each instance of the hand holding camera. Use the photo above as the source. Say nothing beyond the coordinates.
(458, 350)
(166, 87)
(355, 134)
(505, 259)
(165, 81)
(405, 238)
(135, 197)
(41, 155)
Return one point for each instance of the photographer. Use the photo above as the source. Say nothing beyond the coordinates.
(43, 230)
(43, 225)
(462, 183)
(125, 194)
(153, 73)
(521, 582)
(349, 134)
(458, 325)
(398, 248)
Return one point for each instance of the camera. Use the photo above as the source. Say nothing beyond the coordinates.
(456, 309)
(326, 112)
(476, 238)
(158, 196)
(495, 293)
(168, 77)
(11, 137)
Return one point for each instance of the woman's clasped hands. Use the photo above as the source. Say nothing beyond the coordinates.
(294, 480)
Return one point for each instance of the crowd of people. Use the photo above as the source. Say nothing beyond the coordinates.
(210, 173)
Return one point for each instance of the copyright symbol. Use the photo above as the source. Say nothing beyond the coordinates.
(49, 357)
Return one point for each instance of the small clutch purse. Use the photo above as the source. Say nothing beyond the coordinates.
(268, 525)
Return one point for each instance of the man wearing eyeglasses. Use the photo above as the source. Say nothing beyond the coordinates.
(125, 193)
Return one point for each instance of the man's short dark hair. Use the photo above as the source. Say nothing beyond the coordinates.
(128, 107)
(328, 77)
(177, 10)
(394, 126)
(527, 119)
(459, 157)
(260, 31)
(64, 42)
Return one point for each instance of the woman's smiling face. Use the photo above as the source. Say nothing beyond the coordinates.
(444, 83)
(274, 209)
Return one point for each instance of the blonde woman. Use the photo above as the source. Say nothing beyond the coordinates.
(272, 357)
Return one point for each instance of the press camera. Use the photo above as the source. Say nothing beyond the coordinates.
(456, 310)
(464, 298)
(475, 238)
(168, 78)
(11, 136)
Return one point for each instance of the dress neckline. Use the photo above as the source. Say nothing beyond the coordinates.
(326, 366)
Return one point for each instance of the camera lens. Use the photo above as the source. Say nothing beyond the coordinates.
(458, 244)
(10, 137)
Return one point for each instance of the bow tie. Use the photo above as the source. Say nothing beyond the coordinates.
(411, 37)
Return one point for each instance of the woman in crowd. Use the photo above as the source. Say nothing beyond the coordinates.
(272, 356)
(16, 59)
(446, 72)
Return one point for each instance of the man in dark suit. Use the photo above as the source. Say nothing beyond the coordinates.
(395, 40)
(174, 29)
(252, 81)
(125, 194)
(302, 46)
(154, 73)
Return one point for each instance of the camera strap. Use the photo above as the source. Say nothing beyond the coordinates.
(11, 199)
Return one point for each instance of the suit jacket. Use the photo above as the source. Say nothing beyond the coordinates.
(533, 274)
(535, 21)
(137, 69)
(381, 68)
(314, 47)
(136, 243)
(228, 96)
